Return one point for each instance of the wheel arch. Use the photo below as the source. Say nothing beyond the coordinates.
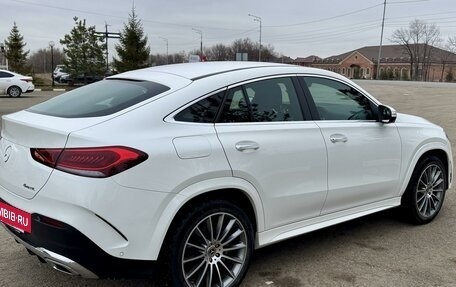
(443, 156)
(440, 151)
(234, 190)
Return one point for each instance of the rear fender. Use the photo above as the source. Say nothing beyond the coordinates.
(194, 190)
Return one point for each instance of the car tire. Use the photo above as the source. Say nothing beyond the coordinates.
(14, 91)
(425, 192)
(212, 246)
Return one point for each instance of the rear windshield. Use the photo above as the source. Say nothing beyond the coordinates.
(99, 99)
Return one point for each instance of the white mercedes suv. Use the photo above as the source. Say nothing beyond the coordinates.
(195, 165)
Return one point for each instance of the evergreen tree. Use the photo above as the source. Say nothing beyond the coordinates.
(84, 51)
(17, 58)
(132, 49)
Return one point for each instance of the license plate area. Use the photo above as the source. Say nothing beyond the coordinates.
(15, 218)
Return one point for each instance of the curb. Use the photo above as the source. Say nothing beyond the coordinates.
(50, 90)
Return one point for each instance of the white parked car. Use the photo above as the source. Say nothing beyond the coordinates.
(59, 72)
(195, 165)
(14, 84)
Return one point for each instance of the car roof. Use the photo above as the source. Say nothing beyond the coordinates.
(218, 74)
(199, 70)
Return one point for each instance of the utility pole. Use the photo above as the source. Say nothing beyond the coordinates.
(201, 48)
(258, 19)
(381, 42)
(166, 40)
(107, 35)
(51, 44)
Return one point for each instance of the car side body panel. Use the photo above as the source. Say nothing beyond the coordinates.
(365, 167)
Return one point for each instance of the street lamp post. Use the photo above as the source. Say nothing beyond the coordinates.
(166, 40)
(258, 19)
(201, 33)
(52, 44)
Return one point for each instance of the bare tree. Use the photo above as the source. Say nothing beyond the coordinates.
(178, 57)
(418, 41)
(430, 39)
(160, 59)
(246, 45)
(403, 37)
(268, 54)
(446, 55)
(219, 52)
(41, 60)
(452, 43)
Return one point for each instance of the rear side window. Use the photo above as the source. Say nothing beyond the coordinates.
(236, 107)
(203, 111)
(6, 75)
(99, 99)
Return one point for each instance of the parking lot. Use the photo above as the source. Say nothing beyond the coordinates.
(378, 250)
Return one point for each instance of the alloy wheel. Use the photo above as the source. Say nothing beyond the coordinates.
(14, 92)
(215, 251)
(429, 191)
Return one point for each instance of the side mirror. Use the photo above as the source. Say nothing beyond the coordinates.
(386, 114)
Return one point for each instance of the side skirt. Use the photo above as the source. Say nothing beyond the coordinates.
(294, 229)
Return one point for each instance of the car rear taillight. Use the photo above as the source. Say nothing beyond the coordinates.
(27, 80)
(90, 162)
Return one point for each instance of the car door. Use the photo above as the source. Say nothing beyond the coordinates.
(364, 155)
(268, 143)
(5, 79)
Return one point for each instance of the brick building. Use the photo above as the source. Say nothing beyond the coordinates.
(394, 64)
(306, 62)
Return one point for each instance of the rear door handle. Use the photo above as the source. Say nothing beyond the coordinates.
(247, 146)
(334, 138)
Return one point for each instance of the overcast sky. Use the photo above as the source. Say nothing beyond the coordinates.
(296, 28)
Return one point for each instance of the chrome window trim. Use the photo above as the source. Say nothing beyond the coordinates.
(291, 75)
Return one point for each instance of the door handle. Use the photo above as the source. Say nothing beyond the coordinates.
(338, 138)
(247, 145)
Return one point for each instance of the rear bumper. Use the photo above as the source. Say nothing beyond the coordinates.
(30, 88)
(67, 250)
(57, 261)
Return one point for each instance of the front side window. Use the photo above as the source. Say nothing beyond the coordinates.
(272, 100)
(337, 101)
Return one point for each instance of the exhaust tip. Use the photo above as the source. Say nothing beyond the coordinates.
(62, 268)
